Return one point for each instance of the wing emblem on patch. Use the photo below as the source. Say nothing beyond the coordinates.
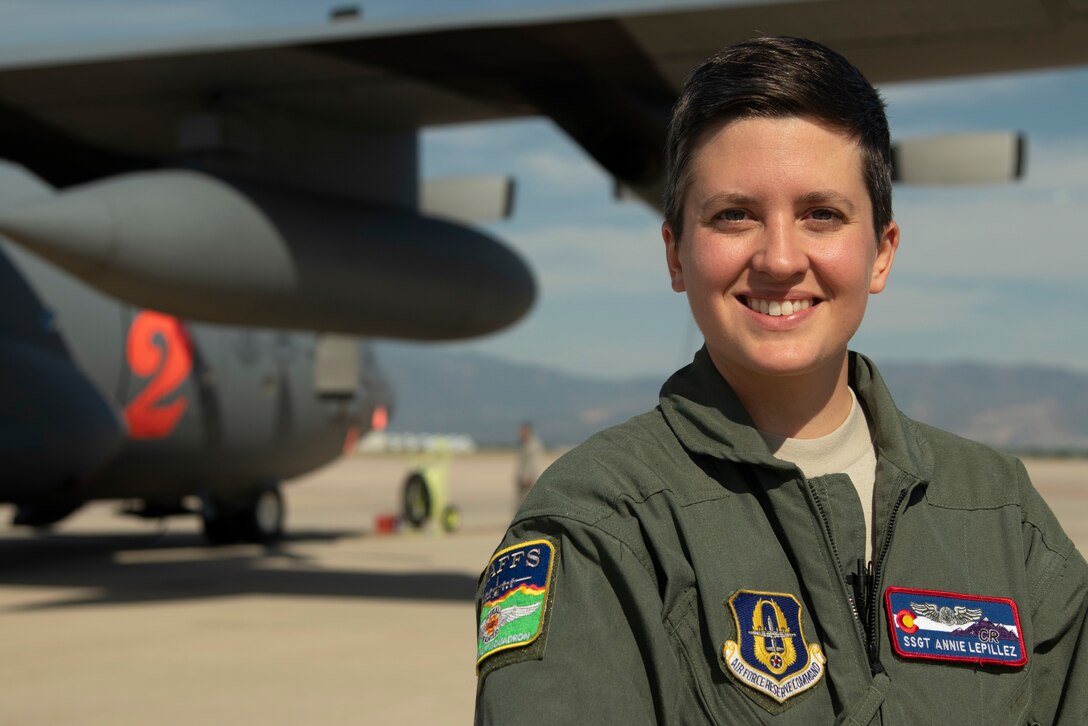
(513, 606)
(773, 640)
(499, 616)
(958, 615)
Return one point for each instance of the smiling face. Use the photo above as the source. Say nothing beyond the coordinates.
(778, 255)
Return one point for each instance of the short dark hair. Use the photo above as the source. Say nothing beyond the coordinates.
(778, 77)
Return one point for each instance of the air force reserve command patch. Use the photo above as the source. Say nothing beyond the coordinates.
(949, 626)
(515, 597)
(770, 653)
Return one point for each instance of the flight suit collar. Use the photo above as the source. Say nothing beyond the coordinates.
(708, 419)
(897, 439)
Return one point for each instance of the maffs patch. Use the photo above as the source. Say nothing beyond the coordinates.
(514, 597)
(950, 626)
(770, 653)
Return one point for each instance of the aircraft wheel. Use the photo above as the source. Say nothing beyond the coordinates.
(451, 518)
(262, 520)
(257, 519)
(220, 527)
(417, 500)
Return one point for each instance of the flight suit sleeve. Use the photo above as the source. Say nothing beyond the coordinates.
(1060, 669)
(602, 655)
(1058, 665)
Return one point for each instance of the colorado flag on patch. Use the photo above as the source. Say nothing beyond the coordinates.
(935, 625)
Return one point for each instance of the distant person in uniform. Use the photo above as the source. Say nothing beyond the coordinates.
(530, 458)
(776, 542)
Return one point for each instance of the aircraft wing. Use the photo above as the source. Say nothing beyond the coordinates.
(298, 202)
(607, 78)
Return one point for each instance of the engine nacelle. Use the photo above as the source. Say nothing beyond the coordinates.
(244, 253)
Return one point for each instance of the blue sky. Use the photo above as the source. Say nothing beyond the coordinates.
(984, 273)
(990, 273)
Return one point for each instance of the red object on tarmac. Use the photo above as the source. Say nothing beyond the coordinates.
(386, 524)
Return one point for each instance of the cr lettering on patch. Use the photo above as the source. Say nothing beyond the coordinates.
(515, 597)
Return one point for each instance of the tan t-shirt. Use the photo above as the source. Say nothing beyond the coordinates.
(847, 450)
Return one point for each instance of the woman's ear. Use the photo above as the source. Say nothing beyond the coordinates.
(672, 257)
(885, 255)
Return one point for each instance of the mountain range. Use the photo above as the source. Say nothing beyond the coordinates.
(1027, 409)
(1003, 633)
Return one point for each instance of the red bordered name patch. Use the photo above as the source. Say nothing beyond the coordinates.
(950, 626)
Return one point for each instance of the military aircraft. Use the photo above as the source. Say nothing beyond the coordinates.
(182, 204)
(100, 399)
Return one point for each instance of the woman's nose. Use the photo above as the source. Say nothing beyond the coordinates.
(781, 253)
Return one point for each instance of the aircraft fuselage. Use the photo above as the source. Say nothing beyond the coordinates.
(102, 400)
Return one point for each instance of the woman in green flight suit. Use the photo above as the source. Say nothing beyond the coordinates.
(776, 542)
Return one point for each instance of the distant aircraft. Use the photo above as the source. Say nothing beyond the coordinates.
(267, 182)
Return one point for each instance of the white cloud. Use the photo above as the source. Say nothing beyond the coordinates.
(958, 91)
(545, 163)
(563, 172)
(908, 305)
(980, 236)
(1057, 163)
(472, 137)
(579, 258)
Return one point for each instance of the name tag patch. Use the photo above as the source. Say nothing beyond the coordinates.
(770, 653)
(934, 625)
(514, 599)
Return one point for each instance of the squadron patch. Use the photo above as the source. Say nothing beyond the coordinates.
(770, 653)
(934, 625)
(514, 598)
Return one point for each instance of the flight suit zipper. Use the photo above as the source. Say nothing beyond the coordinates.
(860, 582)
(877, 572)
(851, 597)
(863, 585)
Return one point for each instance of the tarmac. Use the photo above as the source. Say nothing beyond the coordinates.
(110, 620)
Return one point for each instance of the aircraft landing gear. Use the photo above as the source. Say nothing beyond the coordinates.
(258, 518)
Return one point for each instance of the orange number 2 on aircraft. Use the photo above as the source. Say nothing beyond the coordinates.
(158, 346)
